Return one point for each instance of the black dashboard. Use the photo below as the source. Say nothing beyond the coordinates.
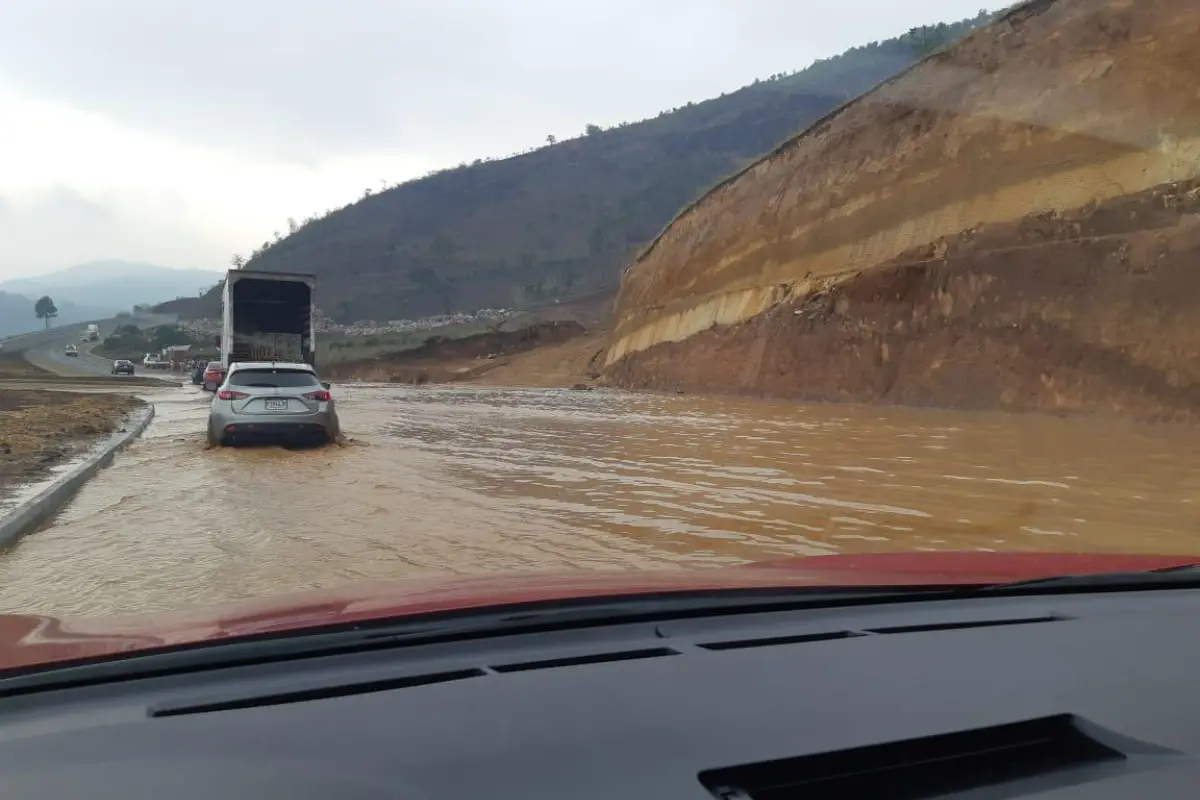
(1074, 696)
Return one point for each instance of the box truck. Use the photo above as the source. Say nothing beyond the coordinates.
(268, 316)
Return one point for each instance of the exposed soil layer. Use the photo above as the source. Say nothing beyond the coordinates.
(39, 429)
(1011, 223)
(442, 360)
(1093, 310)
(568, 364)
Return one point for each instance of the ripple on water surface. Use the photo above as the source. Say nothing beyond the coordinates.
(437, 481)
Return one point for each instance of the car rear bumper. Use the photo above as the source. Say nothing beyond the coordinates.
(248, 427)
(274, 430)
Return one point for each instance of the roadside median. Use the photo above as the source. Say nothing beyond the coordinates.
(48, 380)
(42, 432)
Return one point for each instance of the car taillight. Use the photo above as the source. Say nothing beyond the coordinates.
(320, 395)
(230, 394)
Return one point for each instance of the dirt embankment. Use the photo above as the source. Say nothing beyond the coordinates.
(477, 358)
(39, 429)
(1091, 310)
(572, 363)
(1011, 223)
(14, 365)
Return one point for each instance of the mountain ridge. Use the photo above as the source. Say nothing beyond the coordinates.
(563, 220)
(112, 285)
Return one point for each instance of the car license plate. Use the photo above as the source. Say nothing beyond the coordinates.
(276, 405)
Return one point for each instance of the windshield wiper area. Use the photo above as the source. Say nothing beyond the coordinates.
(455, 626)
(273, 647)
(1181, 576)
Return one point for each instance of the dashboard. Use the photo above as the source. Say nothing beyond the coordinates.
(1067, 696)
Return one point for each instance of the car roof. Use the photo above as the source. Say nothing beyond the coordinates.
(293, 365)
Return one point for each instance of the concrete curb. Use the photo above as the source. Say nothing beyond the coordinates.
(28, 515)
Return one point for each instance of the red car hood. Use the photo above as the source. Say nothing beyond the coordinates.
(27, 640)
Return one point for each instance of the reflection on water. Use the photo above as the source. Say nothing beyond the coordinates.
(438, 481)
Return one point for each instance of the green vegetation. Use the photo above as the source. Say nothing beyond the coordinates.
(560, 221)
(131, 342)
(44, 309)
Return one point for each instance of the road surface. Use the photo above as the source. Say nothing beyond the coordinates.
(46, 349)
(447, 480)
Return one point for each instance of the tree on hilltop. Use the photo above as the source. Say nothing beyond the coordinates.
(45, 309)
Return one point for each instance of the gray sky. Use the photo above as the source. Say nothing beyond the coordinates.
(179, 134)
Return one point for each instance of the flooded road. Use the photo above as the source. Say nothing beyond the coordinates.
(437, 481)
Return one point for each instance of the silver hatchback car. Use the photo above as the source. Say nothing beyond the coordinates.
(272, 401)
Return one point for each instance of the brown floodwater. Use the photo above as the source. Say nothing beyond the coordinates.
(441, 481)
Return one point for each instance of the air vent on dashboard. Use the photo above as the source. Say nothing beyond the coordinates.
(317, 693)
(912, 769)
(825, 636)
(771, 641)
(595, 658)
(958, 626)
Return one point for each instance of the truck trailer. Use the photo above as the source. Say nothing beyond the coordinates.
(268, 316)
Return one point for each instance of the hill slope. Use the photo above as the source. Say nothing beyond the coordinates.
(1014, 223)
(564, 220)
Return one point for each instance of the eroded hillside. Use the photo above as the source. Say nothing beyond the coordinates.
(1010, 223)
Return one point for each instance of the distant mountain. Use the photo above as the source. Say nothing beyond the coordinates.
(111, 286)
(16, 314)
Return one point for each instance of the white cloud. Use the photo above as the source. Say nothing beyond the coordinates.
(181, 133)
(77, 187)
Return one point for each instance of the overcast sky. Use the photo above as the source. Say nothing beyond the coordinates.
(181, 133)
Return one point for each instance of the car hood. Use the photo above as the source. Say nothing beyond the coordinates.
(29, 639)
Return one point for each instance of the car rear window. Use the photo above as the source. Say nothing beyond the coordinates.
(273, 378)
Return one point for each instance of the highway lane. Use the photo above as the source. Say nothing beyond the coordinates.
(438, 481)
(47, 349)
(53, 357)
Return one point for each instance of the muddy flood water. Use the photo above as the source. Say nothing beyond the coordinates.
(436, 481)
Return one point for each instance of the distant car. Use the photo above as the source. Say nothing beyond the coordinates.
(198, 370)
(214, 373)
(273, 401)
(71, 350)
(122, 367)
